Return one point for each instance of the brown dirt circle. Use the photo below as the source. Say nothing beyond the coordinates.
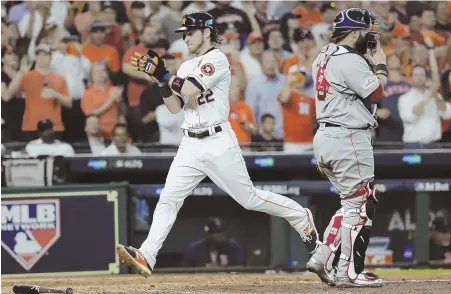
(229, 283)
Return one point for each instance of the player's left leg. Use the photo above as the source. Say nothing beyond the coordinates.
(229, 172)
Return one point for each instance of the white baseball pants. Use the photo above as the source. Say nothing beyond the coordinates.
(218, 157)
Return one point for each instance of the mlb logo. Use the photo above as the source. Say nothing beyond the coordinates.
(29, 229)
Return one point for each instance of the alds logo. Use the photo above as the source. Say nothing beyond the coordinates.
(29, 229)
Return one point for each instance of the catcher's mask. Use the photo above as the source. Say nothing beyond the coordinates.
(353, 19)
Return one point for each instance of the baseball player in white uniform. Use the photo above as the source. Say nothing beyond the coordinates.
(350, 74)
(209, 146)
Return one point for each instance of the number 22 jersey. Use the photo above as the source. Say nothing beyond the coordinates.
(211, 72)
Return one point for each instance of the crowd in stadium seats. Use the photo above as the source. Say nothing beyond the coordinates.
(67, 63)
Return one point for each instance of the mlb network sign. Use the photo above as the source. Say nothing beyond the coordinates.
(29, 229)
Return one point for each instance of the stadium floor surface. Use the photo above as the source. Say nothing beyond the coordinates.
(404, 281)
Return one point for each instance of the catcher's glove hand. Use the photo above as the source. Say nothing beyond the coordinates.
(153, 65)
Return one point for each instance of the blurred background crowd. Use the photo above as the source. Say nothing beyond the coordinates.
(68, 87)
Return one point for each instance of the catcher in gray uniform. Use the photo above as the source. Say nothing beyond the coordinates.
(350, 74)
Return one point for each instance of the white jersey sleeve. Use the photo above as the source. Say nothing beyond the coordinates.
(358, 76)
(212, 68)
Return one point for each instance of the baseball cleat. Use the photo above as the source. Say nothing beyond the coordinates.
(306, 234)
(364, 279)
(134, 258)
(314, 266)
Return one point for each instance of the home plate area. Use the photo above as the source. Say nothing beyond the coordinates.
(428, 281)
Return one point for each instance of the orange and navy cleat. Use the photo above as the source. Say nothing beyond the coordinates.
(135, 259)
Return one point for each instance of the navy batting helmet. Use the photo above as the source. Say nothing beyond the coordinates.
(352, 19)
(197, 20)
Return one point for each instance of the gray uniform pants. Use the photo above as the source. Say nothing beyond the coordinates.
(346, 157)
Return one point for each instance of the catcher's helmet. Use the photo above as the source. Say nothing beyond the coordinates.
(353, 19)
(197, 20)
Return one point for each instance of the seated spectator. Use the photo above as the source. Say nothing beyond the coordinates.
(68, 62)
(427, 29)
(45, 93)
(262, 92)
(390, 124)
(47, 144)
(216, 249)
(97, 51)
(97, 143)
(120, 143)
(150, 99)
(240, 116)
(252, 57)
(102, 99)
(265, 140)
(421, 108)
(440, 238)
(299, 114)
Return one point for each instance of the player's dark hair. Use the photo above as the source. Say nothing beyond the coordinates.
(215, 36)
(118, 126)
(267, 115)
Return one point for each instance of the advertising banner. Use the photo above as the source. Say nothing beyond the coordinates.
(60, 232)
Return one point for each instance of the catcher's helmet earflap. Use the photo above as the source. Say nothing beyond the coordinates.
(352, 19)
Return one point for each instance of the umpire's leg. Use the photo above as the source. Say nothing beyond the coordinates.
(184, 175)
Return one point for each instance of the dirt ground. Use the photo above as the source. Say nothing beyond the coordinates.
(232, 283)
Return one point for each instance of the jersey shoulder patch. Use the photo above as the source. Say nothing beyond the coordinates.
(208, 69)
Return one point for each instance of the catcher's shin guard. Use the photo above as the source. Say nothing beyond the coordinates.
(356, 226)
(322, 261)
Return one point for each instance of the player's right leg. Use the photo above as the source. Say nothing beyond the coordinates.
(184, 175)
(228, 171)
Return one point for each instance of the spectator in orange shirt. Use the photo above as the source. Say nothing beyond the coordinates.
(102, 99)
(138, 81)
(299, 117)
(310, 14)
(241, 116)
(45, 92)
(304, 44)
(97, 50)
